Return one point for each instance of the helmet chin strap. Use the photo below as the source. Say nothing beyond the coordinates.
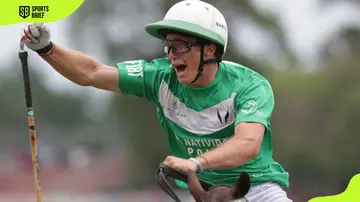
(202, 63)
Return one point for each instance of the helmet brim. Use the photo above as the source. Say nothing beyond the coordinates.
(155, 29)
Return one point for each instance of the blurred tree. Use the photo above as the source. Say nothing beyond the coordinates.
(56, 115)
(315, 120)
(345, 43)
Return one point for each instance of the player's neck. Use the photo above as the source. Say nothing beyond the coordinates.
(208, 75)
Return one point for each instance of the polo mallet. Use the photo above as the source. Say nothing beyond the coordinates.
(23, 55)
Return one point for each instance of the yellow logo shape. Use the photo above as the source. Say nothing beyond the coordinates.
(351, 193)
(29, 11)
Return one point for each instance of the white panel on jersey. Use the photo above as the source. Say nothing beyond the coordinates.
(204, 122)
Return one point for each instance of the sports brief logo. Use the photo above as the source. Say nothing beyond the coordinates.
(33, 11)
(24, 11)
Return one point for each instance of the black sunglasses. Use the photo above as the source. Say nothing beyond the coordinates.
(178, 46)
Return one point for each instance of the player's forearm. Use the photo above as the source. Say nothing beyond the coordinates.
(73, 65)
(232, 153)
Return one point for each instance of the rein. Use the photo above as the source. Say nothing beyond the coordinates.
(165, 171)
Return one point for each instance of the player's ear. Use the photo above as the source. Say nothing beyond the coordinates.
(209, 50)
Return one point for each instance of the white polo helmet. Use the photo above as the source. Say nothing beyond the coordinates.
(196, 18)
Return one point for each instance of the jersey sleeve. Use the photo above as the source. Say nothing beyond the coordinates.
(140, 78)
(255, 102)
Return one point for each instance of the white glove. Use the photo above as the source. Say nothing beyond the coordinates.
(36, 36)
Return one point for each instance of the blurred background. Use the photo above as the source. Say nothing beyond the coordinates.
(99, 146)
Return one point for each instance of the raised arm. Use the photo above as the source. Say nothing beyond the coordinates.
(82, 69)
(73, 65)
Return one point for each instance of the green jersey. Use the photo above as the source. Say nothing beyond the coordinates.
(198, 119)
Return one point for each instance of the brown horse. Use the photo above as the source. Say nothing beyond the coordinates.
(219, 193)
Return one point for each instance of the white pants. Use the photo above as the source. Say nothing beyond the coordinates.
(267, 192)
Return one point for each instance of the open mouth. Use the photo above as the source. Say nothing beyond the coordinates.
(180, 68)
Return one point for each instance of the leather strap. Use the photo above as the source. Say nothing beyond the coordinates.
(165, 171)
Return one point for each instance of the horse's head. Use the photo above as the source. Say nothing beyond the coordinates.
(218, 193)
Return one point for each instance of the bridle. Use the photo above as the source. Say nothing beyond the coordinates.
(165, 171)
(242, 186)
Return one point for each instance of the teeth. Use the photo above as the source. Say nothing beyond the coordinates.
(180, 69)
